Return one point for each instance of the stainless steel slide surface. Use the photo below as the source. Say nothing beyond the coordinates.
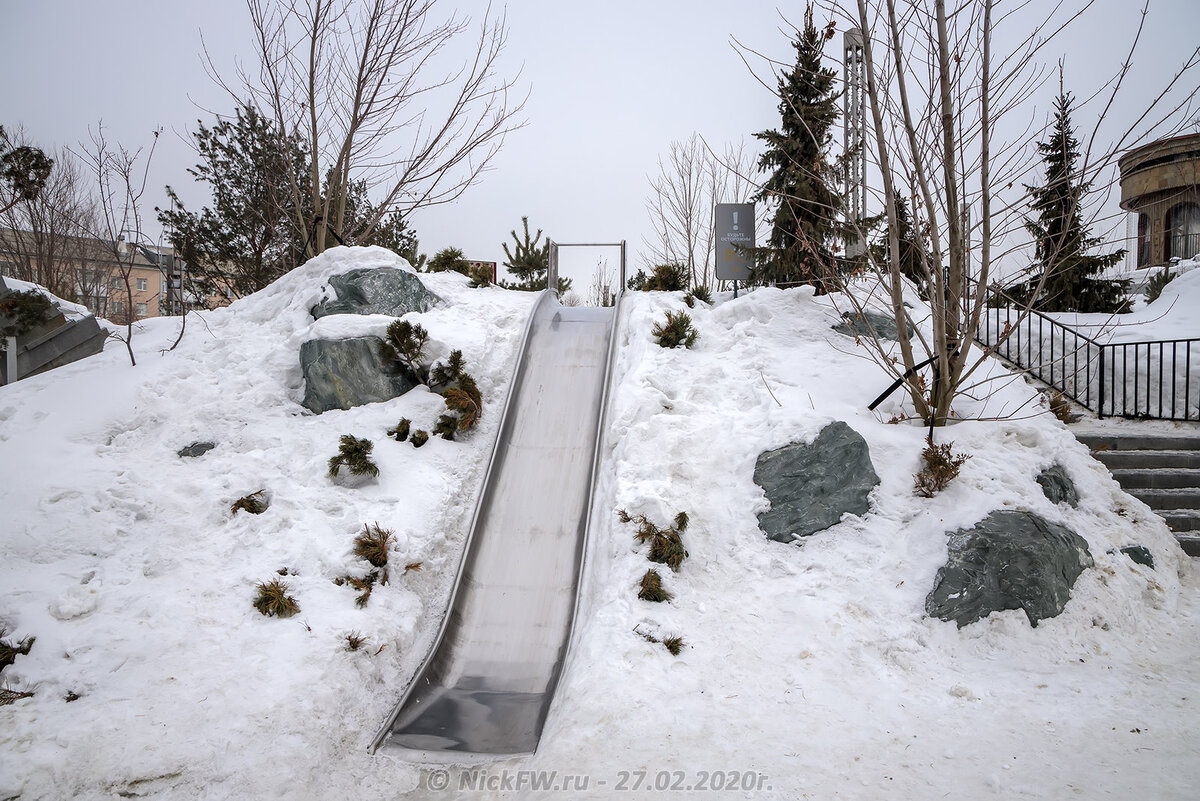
(487, 686)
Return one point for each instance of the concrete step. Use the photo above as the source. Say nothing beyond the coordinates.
(1190, 542)
(1173, 478)
(1161, 500)
(1135, 460)
(1139, 442)
(1182, 520)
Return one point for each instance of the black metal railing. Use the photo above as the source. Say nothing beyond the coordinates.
(1185, 246)
(1151, 380)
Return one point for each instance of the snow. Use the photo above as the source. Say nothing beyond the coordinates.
(812, 668)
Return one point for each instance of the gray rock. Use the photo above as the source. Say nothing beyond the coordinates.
(196, 449)
(852, 325)
(1057, 485)
(344, 373)
(1139, 554)
(1009, 560)
(382, 290)
(812, 486)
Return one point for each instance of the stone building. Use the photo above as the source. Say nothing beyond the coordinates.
(1160, 183)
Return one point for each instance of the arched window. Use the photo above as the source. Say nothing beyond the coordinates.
(1143, 240)
(1181, 236)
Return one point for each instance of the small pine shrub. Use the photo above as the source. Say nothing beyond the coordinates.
(355, 454)
(674, 645)
(666, 544)
(465, 401)
(662, 278)
(651, 588)
(445, 374)
(419, 438)
(9, 652)
(702, 294)
(273, 600)
(255, 503)
(401, 430)
(404, 342)
(1158, 282)
(480, 275)
(354, 641)
(941, 466)
(372, 544)
(676, 331)
(445, 427)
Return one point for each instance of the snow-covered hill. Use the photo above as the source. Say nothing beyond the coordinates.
(811, 670)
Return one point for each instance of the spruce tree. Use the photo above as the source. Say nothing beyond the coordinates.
(1061, 239)
(801, 177)
(529, 261)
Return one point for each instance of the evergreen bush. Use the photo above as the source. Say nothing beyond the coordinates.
(445, 427)
(24, 311)
(372, 544)
(651, 588)
(1157, 283)
(662, 278)
(401, 430)
(465, 401)
(676, 331)
(354, 641)
(405, 342)
(355, 454)
(419, 438)
(9, 652)
(666, 544)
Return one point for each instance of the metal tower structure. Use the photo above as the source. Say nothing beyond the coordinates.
(854, 122)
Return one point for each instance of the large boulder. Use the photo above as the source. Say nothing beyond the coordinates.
(1008, 560)
(344, 373)
(811, 486)
(381, 290)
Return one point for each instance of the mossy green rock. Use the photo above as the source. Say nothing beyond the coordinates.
(345, 373)
(811, 486)
(1008, 560)
(381, 290)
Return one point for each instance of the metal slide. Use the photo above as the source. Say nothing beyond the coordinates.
(486, 687)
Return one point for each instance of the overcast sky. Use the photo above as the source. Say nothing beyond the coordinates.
(611, 85)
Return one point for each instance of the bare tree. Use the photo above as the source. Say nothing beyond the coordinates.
(689, 183)
(364, 86)
(45, 234)
(936, 93)
(120, 186)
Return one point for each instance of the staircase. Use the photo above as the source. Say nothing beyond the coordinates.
(1162, 471)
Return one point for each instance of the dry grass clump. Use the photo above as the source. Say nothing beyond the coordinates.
(1060, 407)
(372, 544)
(941, 466)
(255, 503)
(673, 644)
(365, 586)
(651, 588)
(8, 696)
(273, 600)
